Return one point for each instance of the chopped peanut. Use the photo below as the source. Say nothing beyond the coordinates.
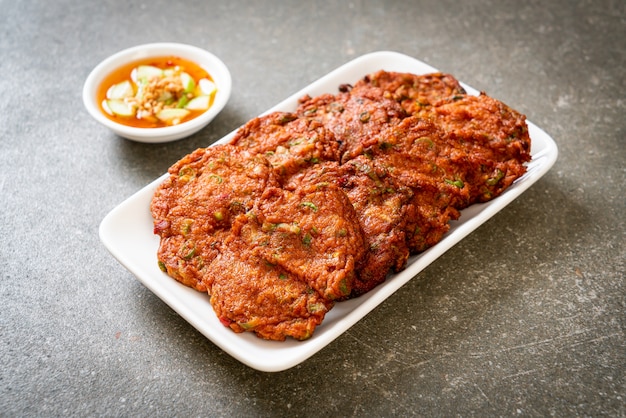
(157, 94)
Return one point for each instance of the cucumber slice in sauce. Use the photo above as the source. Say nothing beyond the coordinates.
(189, 84)
(207, 86)
(120, 108)
(172, 116)
(199, 103)
(182, 102)
(147, 72)
(120, 90)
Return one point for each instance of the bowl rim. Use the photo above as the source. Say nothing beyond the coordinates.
(205, 59)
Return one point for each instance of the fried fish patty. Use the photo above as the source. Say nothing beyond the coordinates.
(412, 91)
(290, 143)
(412, 152)
(313, 233)
(249, 294)
(356, 121)
(385, 213)
(491, 137)
(484, 123)
(487, 137)
(193, 208)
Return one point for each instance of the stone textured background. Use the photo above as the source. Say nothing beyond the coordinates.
(524, 317)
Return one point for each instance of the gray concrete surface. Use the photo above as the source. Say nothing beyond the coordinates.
(525, 317)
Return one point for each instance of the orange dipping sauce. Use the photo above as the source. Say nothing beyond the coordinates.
(124, 73)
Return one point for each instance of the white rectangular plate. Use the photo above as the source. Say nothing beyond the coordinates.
(127, 232)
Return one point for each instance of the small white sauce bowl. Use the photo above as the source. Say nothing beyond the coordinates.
(213, 65)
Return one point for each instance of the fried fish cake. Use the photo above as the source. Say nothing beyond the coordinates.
(313, 233)
(356, 121)
(414, 154)
(484, 124)
(290, 143)
(193, 208)
(249, 294)
(412, 91)
(397, 203)
(486, 137)
(382, 206)
(424, 155)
